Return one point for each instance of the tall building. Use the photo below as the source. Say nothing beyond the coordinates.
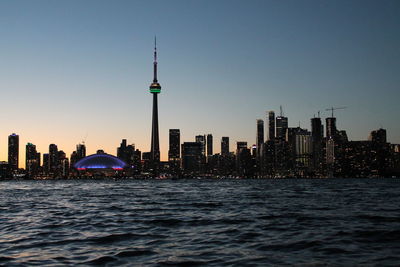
(244, 164)
(53, 158)
(260, 136)
(202, 140)
(13, 151)
(331, 128)
(121, 150)
(299, 144)
(155, 89)
(281, 127)
(174, 151)
(317, 135)
(271, 125)
(225, 146)
(77, 155)
(209, 145)
(330, 156)
(32, 160)
(191, 157)
(81, 151)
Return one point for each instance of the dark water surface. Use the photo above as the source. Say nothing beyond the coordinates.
(321, 222)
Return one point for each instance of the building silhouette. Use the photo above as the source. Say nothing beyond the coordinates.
(32, 160)
(13, 151)
(281, 127)
(331, 130)
(174, 152)
(53, 159)
(260, 136)
(225, 146)
(271, 125)
(202, 140)
(317, 135)
(281, 146)
(191, 157)
(209, 145)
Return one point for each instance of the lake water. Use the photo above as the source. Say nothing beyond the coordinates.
(304, 222)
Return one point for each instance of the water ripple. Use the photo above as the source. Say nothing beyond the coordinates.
(337, 222)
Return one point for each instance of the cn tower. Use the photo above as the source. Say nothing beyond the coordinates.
(155, 89)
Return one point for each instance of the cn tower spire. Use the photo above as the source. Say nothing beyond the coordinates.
(155, 59)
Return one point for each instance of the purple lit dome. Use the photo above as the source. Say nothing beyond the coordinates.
(100, 161)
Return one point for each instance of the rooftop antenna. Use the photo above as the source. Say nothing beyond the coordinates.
(84, 139)
(318, 113)
(280, 107)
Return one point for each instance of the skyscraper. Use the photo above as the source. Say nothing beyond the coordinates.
(202, 140)
(121, 150)
(281, 127)
(317, 134)
(191, 157)
(77, 155)
(331, 128)
(53, 158)
(13, 151)
(174, 151)
(32, 159)
(271, 125)
(155, 89)
(209, 145)
(81, 151)
(225, 146)
(260, 136)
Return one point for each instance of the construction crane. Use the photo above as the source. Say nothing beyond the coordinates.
(332, 109)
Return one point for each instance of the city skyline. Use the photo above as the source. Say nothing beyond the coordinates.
(59, 86)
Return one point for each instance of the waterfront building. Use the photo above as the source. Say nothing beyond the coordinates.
(191, 157)
(13, 151)
(53, 159)
(209, 145)
(32, 160)
(174, 152)
(260, 136)
(225, 146)
(271, 125)
(202, 140)
(331, 130)
(317, 135)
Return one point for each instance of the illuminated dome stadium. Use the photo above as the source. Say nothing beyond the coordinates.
(100, 160)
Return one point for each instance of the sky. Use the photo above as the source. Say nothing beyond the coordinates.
(73, 71)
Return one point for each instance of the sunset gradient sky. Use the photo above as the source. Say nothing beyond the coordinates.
(74, 68)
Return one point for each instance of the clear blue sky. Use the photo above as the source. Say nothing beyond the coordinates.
(71, 68)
